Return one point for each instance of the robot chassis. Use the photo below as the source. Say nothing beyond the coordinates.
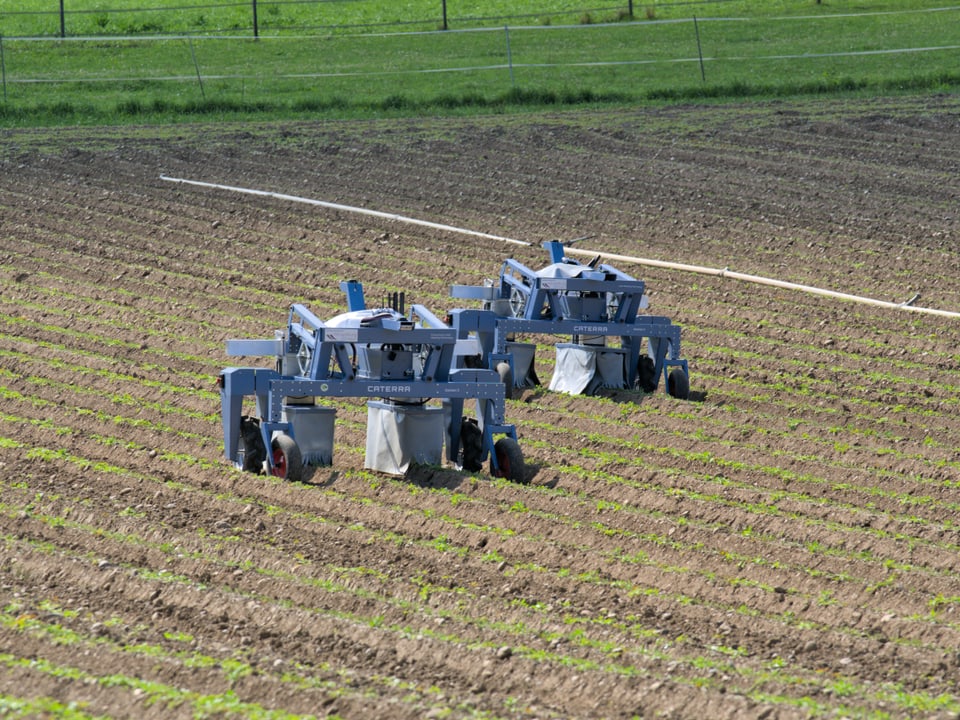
(400, 362)
(589, 302)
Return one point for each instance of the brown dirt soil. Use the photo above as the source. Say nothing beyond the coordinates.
(783, 545)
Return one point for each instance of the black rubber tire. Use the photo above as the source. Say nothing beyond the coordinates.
(510, 460)
(678, 384)
(471, 445)
(506, 377)
(287, 459)
(251, 442)
(646, 374)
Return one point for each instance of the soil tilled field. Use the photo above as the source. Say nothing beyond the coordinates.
(783, 545)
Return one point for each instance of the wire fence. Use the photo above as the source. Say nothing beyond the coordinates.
(255, 18)
(624, 58)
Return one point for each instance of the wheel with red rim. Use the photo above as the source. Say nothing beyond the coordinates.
(287, 459)
(509, 460)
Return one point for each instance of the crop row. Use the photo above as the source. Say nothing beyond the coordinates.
(798, 384)
(434, 591)
(209, 256)
(421, 267)
(732, 467)
(621, 513)
(215, 264)
(622, 455)
(908, 498)
(633, 443)
(571, 639)
(777, 505)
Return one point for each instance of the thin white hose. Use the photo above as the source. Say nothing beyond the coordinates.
(726, 273)
(346, 208)
(763, 281)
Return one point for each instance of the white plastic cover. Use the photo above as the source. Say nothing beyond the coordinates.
(355, 318)
(398, 435)
(584, 369)
(574, 370)
(564, 270)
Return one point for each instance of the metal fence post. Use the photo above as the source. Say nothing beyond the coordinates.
(63, 23)
(256, 25)
(3, 69)
(696, 28)
(196, 66)
(506, 31)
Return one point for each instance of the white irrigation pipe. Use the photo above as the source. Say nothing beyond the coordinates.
(725, 272)
(346, 208)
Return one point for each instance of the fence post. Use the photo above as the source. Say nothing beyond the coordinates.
(256, 26)
(196, 66)
(444, 3)
(3, 69)
(696, 28)
(63, 23)
(506, 31)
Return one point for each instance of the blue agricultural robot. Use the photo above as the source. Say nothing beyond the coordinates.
(613, 342)
(404, 363)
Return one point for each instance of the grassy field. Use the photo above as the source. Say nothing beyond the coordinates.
(149, 17)
(175, 62)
